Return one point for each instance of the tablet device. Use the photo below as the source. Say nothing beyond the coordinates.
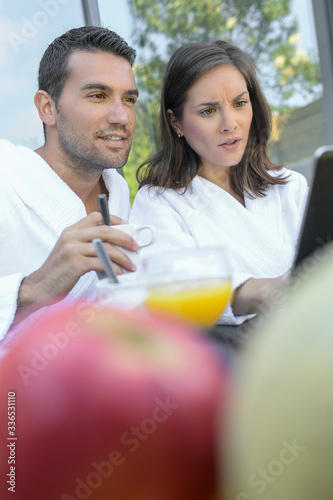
(317, 225)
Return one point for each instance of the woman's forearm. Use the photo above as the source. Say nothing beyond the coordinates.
(248, 296)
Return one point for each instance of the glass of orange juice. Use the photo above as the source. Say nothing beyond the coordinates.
(191, 283)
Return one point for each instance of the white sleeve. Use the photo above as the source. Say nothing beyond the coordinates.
(9, 287)
(152, 208)
(10, 251)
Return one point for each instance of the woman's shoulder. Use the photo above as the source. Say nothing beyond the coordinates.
(293, 178)
(295, 190)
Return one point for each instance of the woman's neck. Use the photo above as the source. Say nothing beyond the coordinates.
(222, 178)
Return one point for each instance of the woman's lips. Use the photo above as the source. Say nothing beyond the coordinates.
(231, 144)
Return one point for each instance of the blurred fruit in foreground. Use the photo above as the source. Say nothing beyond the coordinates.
(110, 405)
(280, 439)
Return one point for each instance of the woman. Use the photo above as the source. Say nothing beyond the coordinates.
(212, 182)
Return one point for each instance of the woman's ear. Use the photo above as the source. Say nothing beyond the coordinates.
(46, 107)
(173, 122)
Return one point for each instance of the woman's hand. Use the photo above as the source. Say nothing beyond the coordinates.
(253, 292)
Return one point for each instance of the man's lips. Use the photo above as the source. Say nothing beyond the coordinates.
(113, 137)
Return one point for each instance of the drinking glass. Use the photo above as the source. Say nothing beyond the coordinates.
(129, 293)
(191, 283)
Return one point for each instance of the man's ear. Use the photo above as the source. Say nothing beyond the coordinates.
(173, 122)
(46, 107)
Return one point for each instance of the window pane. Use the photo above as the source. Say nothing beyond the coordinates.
(280, 38)
(26, 28)
(298, 132)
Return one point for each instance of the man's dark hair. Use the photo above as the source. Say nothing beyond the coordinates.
(53, 68)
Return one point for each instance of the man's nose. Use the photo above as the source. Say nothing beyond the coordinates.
(118, 114)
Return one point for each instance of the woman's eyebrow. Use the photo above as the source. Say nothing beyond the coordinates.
(215, 103)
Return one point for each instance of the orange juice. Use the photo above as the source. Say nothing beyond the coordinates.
(201, 301)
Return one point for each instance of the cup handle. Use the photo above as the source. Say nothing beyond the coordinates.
(153, 233)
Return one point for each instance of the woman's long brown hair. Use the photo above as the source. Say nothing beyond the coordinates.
(176, 163)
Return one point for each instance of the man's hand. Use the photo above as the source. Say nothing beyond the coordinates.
(72, 256)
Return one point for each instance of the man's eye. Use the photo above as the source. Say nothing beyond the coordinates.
(97, 96)
(130, 100)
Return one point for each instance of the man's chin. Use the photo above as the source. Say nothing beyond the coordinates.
(108, 161)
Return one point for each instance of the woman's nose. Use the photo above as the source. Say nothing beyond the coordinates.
(228, 121)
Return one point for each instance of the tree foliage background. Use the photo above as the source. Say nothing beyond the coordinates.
(265, 29)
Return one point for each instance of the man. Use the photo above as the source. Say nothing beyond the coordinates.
(48, 197)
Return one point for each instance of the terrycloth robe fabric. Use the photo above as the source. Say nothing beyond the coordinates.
(36, 205)
(260, 238)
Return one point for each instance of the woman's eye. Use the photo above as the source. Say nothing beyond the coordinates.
(240, 104)
(208, 111)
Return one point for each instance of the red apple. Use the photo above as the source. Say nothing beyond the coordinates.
(104, 404)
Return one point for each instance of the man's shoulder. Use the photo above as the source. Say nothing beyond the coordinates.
(10, 154)
(10, 147)
(7, 147)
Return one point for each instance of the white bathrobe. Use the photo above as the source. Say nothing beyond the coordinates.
(36, 205)
(259, 238)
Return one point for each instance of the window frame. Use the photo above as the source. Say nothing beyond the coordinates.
(323, 18)
(91, 13)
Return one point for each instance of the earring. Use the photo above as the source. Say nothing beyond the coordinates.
(179, 135)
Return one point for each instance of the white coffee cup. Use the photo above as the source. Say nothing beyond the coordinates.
(143, 235)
